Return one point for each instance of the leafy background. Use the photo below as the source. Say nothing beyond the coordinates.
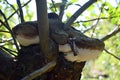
(99, 20)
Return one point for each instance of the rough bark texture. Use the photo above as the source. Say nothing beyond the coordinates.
(30, 59)
(66, 70)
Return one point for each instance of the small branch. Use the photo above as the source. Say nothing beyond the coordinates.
(101, 10)
(20, 9)
(54, 5)
(78, 12)
(4, 31)
(93, 26)
(8, 27)
(9, 50)
(95, 19)
(40, 71)
(112, 54)
(3, 23)
(112, 33)
(62, 8)
(6, 22)
(89, 29)
(11, 6)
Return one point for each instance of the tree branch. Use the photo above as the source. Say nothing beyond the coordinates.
(20, 9)
(112, 54)
(8, 27)
(94, 19)
(78, 12)
(43, 27)
(62, 8)
(11, 6)
(4, 31)
(9, 50)
(40, 71)
(54, 5)
(112, 33)
(17, 10)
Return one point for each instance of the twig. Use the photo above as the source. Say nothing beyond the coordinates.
(18, 10)
(9, 50)
(6, 22)
(78, 12)
(112, 54)
(8, 27)
(92, 20)
(95, 25)
(54, 5)
(94, 28)
(88, 29)
(95, 19)
(21, 11)
(12, 6)
(3, 23)
(112, 33)
(40, 71)
(101, 10)
(4, 31)
(78, 5)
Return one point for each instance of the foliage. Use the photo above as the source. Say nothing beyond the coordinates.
(97, 21)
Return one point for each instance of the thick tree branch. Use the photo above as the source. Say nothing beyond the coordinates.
(20, 9)
(62, 8)
(112, 33)
(78, 12)
(40, 71)
(43, 27)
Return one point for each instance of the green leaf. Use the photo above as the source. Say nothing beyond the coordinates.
(68, 15)
(76, 25)
(91, 8)
(73, 1)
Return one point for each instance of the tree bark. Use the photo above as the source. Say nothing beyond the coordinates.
(43, 27)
